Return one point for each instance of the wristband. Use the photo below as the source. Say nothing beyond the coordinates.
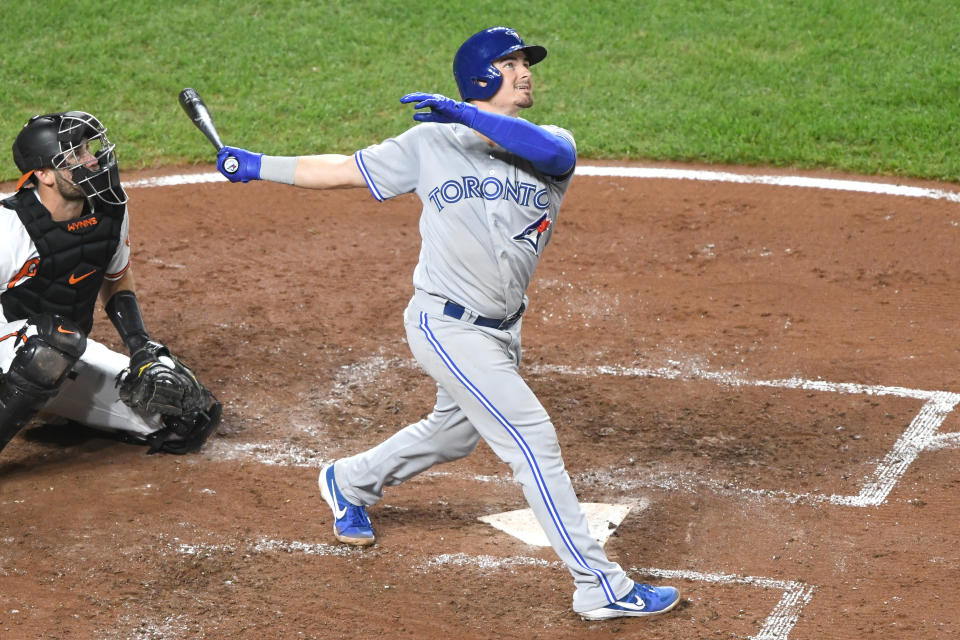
(124, 311)
(278, 168)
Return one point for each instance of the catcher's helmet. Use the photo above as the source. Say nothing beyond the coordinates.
(473, 63)
(61, 141)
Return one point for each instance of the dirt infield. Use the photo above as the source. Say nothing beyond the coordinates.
(767, 374)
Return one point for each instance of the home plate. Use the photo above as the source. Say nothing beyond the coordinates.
(602, 520)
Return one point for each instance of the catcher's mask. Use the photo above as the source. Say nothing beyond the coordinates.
(473, 68)
(75, 141)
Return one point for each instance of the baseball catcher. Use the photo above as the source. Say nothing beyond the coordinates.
(66, 243)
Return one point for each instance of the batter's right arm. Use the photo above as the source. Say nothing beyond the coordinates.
(326, 171)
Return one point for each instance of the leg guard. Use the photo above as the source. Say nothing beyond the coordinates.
(37, 371)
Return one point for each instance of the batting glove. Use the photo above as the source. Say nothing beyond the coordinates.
(238, 165)
(442, 108)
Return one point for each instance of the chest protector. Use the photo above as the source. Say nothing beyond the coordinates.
(73, 259)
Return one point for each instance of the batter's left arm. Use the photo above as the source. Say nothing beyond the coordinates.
(548, 152)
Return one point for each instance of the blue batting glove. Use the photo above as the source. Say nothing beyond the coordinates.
(442, 108)
(238, 165)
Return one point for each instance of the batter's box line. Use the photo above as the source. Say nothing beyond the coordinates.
(776, 626)
(259, 546)
(919, 435)
(944, 441)
(785, 614)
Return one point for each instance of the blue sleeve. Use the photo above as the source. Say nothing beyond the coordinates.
(549, 153)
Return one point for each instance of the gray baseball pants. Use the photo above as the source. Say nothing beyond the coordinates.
(480, 394)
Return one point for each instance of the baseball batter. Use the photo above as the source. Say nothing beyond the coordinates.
(491, 185)
(65, 242)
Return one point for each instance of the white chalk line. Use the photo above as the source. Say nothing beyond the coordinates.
(784, 616)
(164, 181)
(651, 173)
(676, 370)
(858, 186)
(156, 627)
(484, 562)
(908, 446)
(776, 626)
(875, 489)
(943, 441)
(274, 453)
(176, 180)
(262, 545)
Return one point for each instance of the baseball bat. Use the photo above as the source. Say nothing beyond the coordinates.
(197, 111)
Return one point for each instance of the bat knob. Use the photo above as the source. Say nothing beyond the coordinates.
(189, 95)
(231, 164)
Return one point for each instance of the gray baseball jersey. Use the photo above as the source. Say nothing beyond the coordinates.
(487, 216)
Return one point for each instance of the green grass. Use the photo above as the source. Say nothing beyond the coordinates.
(863, 86)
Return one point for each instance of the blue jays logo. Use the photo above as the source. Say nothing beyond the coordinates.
(534, 232)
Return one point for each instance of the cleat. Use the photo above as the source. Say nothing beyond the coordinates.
(350, 522)
(643, 600)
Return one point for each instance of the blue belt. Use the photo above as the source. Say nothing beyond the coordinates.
(454, 310)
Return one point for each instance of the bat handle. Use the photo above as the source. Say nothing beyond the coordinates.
(205, 123)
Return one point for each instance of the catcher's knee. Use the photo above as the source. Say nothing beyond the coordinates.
(48, 355)
(38, 369)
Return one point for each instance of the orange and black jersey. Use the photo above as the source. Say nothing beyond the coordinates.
(64, 273)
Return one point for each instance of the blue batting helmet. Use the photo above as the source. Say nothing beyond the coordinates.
(473, 63)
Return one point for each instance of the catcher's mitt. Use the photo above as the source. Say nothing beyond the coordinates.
(157, 382)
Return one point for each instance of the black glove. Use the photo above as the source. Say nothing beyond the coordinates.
(157, 382)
